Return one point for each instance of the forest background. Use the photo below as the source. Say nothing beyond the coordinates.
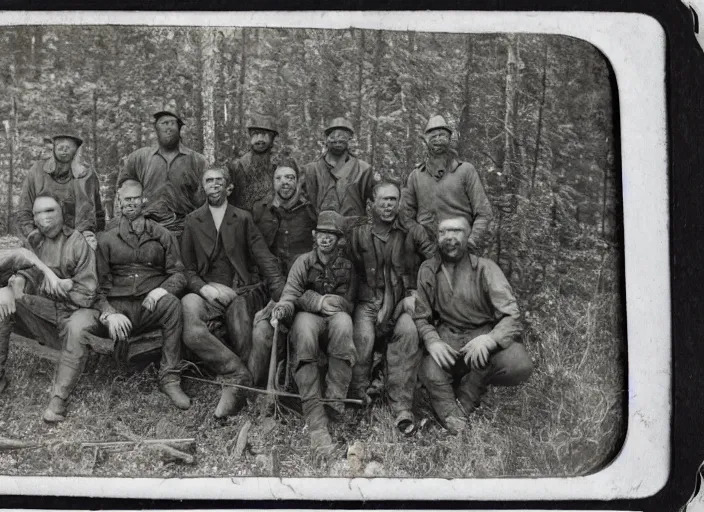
(534, 114)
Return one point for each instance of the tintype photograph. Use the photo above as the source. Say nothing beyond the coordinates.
(243, 251)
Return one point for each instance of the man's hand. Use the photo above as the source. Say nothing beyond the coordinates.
(277, 314)
(477, 351)
(7, 303)
(211, 295)
(91, 239)
(54, 287)
(119, 326)
(227, 294)
(34, 237)
(443, 354)
(149, 302)
(17, 284)
(407, 305)
(332, 304)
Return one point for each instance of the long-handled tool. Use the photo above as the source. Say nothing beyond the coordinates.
(271, 380)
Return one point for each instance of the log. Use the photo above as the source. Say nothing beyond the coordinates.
(7, 444)
(241, 443)
(172, 454)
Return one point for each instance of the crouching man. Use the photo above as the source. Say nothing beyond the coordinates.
(43, 309)
(141, 274)
(473, 344)
(220, 246)
(319, 292)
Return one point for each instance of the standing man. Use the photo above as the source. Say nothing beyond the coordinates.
(442, 187)
(75, 185)
(42, 310)
(169, 172)
(338, 180)
(287, 222)
(140, 273)
(220, 245)
(318, 297)
(472, 343)
(251, 174)
(384, 253)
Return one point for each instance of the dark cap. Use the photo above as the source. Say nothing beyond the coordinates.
(339, 123)
(67, 133)
(263, 123)
(329, 222)
(170, 109)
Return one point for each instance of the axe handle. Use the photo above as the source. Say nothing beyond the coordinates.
(272, 360)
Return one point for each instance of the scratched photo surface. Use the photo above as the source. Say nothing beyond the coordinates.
(533, 114)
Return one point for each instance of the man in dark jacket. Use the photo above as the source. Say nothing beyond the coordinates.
(140, 273)
(287, 222)
(472, 343)
(251, 173)
(318, 297)
(169, 172)
(43, 312)
(75, 185)
(443, 187)
(384, 253)
(219, 246)
(339, 181)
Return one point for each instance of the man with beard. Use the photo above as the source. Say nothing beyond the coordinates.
(75, 185)
(251, 173)
(140, 273)
(384, 254)
(472, 343)
(338, 180)
(43, 309)
(220, 245)
(287, 222)
(442, 187)
(318, 297)
(169, 172)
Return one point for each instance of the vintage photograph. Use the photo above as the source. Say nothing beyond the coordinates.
(296, 252)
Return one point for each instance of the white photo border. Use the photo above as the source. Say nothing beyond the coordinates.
(635, 47)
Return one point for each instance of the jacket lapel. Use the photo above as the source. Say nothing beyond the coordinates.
(233, 235)
(207, 232)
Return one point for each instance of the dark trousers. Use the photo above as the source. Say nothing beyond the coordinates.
(262, 341)
(312, 336)
(230, 355)
(403, 355)
(507, 367)
(166, 315)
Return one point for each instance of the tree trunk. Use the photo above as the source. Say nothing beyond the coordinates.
(208, 77)
(377, 101)
(465, 121)
(11, 136)
(604, 197)
(243, 76)
(539, 130)
(360, 81)
(94, 127)
(510, 112)
(408, 109)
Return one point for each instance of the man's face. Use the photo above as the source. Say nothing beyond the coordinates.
(453, 235)
(168, 131)
(131, 200)
(285, 182)
(48, 216)
(438, 141)
(337, 141)
(261, 140)
(385, 206)
(326, 241)
(65, 149)
(215, 188)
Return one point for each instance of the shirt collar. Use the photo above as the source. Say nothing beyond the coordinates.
(330, 166)
(183, 150)
(436, 261)
(451, 166)
(220, 208)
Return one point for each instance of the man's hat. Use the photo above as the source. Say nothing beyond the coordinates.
(436, 122)
(67, 132)
(263, 123)
(339, 123)
(170, 109)
(329, 221)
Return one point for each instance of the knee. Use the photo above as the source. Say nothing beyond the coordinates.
(191, 305)
(405, 330)
(305, 336)
(170, 306)
(341, 322)
(521, 368)
(431, 372)
(262, 335)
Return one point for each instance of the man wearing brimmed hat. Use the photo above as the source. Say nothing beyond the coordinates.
(252, 173)
(169, 172)
(443, 186)
(318, 300)
(76, 186)
(338, 180)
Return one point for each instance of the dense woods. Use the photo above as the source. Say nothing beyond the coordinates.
(533, 113)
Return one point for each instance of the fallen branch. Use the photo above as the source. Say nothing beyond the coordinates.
(170, 453)
(241, 443)
(189, 440)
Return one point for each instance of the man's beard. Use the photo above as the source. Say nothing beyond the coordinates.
(169, 141)
(286, 194)
(217, 201)
(50, 231)
(131, 214)
(458, 252)
(261, 150)
(337, 150)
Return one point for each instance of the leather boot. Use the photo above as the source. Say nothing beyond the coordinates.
(471, 389)
(56, 411)
(173, 390)
(231, 401)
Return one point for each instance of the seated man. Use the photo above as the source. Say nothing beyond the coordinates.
(287, 222)
(42, 310)
(319, 292)
(141, 273)
(384, 254)
(220, 245)
(473, 344)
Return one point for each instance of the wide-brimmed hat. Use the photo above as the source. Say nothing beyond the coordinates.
(329, 222)
(339, 123)
(170, 109)
(263, 123)
(436, 122)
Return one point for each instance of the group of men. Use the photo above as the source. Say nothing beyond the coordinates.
(216, 257)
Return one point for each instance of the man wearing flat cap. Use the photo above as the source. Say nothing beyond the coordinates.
(338, 180)
(74, 184)
(169, 172)
(443, 186)
(252, 173)
(318, 299)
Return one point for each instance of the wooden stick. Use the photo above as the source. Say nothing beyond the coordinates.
(270, 386)
(241, 443)
(142, 441)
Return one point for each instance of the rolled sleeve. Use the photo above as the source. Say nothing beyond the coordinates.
(85, 276)
(504, 303)
(481, 208)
